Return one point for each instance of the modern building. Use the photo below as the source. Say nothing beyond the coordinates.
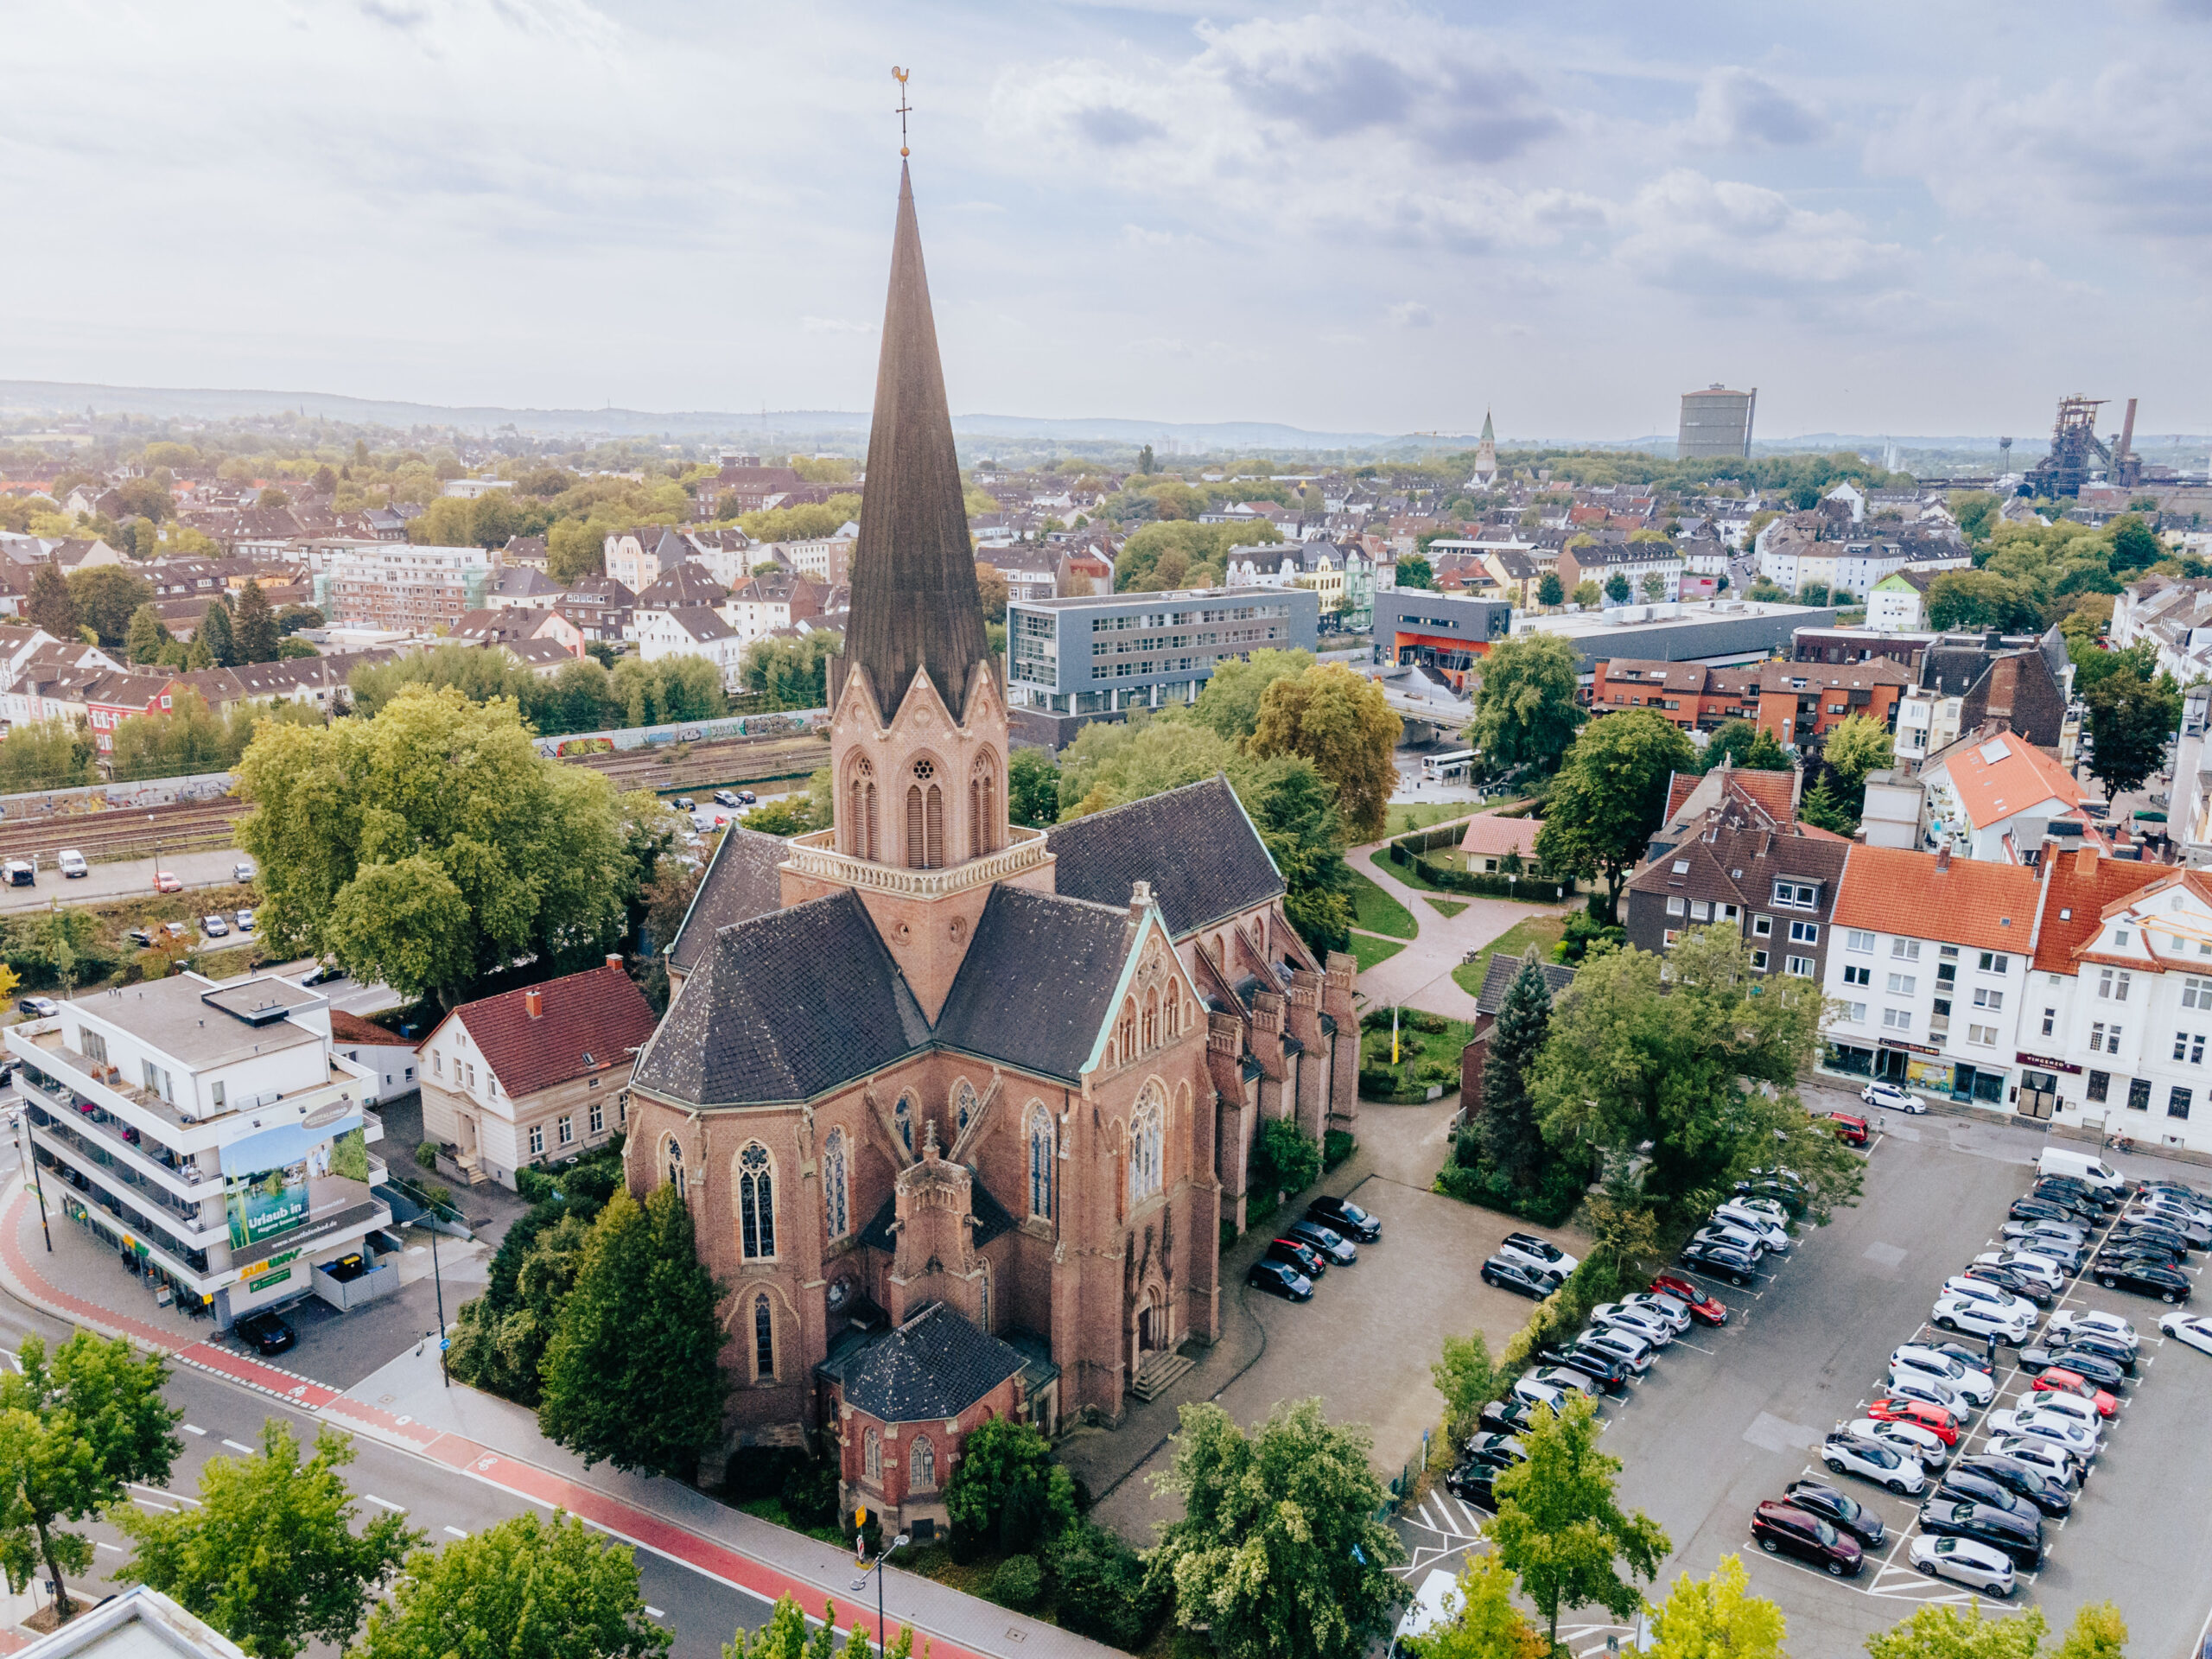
(1990, 795)
(1716, 422)
(1721, 632)
(1442, 633)
(210, 1133)
(1104, 653)
(1796, 702)
(400, 585)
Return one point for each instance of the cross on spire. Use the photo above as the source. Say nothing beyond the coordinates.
(905, 108)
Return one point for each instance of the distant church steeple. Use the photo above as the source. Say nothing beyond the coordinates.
(1485, 456)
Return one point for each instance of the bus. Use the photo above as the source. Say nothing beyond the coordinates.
(1448, 766)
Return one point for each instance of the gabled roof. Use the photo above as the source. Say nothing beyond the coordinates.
(1980, 902)
(586, 1022)
(1203, 857)
(2079, 887)
(1036, 985)
(1501, 970)
(1995, 777)
(741, 883)
(681, 586)
(933, 1367)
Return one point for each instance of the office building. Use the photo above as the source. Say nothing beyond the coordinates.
(1716, 422)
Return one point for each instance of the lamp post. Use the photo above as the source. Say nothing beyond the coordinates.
(861, 1583)
(436, 1280)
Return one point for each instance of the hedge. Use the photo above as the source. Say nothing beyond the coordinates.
(1535, 889)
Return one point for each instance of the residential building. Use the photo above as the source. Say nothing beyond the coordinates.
(2189, 809)
(492, 627)
(1653, 570)
(827, 560)
(1716, 422)
(1797, 703)
(470, 489)
(594, 610)
(761, 604)
(637, 558)
(1109, 651)
(688, 630)
(210, 1134)
(321, 681)
(115, 697)
(1898, 602)
(388, 1058)
(1775, 888)
(1989, 795)
(513, 586)
(1031, 570)
(402, 585)
(1493, 842)
(532, 1076)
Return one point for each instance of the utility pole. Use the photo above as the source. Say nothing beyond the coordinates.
(434, 1208)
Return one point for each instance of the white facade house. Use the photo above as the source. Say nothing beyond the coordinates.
(690, 630)
(1991, 799)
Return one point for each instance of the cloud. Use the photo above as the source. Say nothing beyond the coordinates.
(1411, 314)
(1715, 236)
(1738, 110)
(835, 326)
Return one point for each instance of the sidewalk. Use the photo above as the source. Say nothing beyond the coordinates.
(1420, 976)
(405, 1405)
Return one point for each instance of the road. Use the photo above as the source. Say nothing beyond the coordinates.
(122, 878)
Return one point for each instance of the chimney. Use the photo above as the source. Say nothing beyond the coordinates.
(2085, 862)
(533, 1002)
(1943, 857)
(1139, 900)
(614, 960)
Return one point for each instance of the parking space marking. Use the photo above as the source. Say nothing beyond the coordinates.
(235, 1446)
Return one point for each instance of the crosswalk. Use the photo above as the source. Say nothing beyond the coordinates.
(1452, 1523)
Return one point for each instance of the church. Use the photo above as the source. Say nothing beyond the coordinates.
(962, 1109)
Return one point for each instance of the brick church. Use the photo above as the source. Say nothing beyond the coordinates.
(959, 1107)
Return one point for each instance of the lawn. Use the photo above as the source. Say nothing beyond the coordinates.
(1368, 950)
(1542, 932)
(1373, 911)
(1428, 1054)
(1445, 907)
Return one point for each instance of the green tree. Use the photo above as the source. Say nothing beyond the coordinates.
(1825, 807)
(369, 853)
(1468, 1379)
(1981, 598)
(790, 673)
(48, 604)
(523, 1589)
(1342, 722)
(1511, 1138)
(106, 596)
(2134, 545)
(2098, 1632)
(574, 549)
(50, 753)
(1587, 594)
(787, 1635)
(1525, 709)
(269, 1556)
(1608, 797)
(991, 591)
(1230, 703)
(1032, 787)
(188, 739)
(75, 1430)
(256, 629)
(1006, 1487)
(1854, 747)
(1285, 1158)
(633, 1374)
(1277, 1551)
(1551, 592)
(1415, 571)
(1558, 1528)
(1146, 464)
(216, 634)
(1654, 587)
(1937, 1631)
(582, 700)
(2130, 720)
(1617, 588)
(1487, 1625)
(146, 635)
(1718, 1617)
(499, 1340)
(1291, 805)
(1747, 747)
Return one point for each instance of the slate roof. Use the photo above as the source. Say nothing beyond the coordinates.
(785, 1007)
(1970, 901)
(933, 1367)
(1194, 844)
(992, 1218)
(741, 883)
(1037, 984)
(588, 1022)
(1503, 970)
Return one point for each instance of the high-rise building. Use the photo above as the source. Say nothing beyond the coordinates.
(1716, 422)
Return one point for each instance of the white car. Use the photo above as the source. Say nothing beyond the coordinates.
(1970, 1384)
(1847, 1452)
(2056, 1402)
(1541, 1254)
(215, 926)
(1540, 1394)
(1665, 1307)
(245, 920)
(1769, 1231)
(2193, 1330)
(1965, 1561)
(1995, 1297)
(242, 871)
(2025, 1261)
(71, 863)
(1978, 1318)
(1904, 1383)
(2062, 1431)
(1768, 1207)
(1890, 1097)
(1924, 1445)
(1644, 1322)
(2110, 1327)
(2053, 1463)
(1727, 1232)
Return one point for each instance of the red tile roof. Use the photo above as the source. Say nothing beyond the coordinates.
(2082, 886)
(351, 1028)
(2021, 777)
(588, 1022)
(1989, 906)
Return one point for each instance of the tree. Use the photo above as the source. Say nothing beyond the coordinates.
(2098, 1632)
(1855, 747)
(1525, 709)
(1718, 1617)
(1558, 1529)
(574, 547)
(216, 632)
(293, 617)
(1146, 464)
(1285, 1158)
(1006, 1487)
(107, 597)
(786, 1636)
(991, 590)
(1824, 807)
(268, 1557)
(1512, 1139)
(1587, 594)
(2130, 720)
(1747, 747)
(792, 673)
(1551, 592)
(188, 739)
(1290, 804)
(49, 605)
(1487, 1625)
(48, 754)
(2134, 546)
(1609, 796)
(369, 853)
(256, 629)
(146, 635)
(1937, 1631)
(1981, 598)
(1415, 571)
(522, 1589)
(633, 1373)
(74, 1432)
(1032, 788)
(1654, 587)
(1468, 1379)
(1277, 1551)
(1617, 588)
(1229, 702)
(1342, 722)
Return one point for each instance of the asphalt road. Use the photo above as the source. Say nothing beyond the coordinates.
(122, 878)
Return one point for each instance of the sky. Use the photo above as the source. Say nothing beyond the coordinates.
(1918, 220)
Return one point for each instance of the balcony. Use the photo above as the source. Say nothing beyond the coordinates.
(103, 1128)
(816, 855)
(103, 1084)
(85, 1154)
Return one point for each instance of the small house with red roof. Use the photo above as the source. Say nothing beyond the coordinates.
(1991, 794)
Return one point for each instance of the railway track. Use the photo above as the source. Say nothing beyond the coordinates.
(707, 766)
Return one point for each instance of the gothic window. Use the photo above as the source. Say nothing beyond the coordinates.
(1174, 1011)
(933, 829)
(675, 1165)
(756, 1202)
(835, 1197)
(1125, 1038)
(764, 1340)
(872, 1456)
(924, 1466)
(904, 1112)
(984, 805)
(1145, 1136)
(963, 1105)
(1041, 1163)
(983, 1296)
(914, 827)
(860, 811)
(1152, 1019)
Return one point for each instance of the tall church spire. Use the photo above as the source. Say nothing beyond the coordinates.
(914, 604)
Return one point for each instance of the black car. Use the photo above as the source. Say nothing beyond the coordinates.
(2147, 1239)
(1533, 1248)
(1512, 1275)
(1472, 1481)
(2015, 1477)
(1500, 1451)
(1782, 1529)
(268, 1333)
(2094, 1368)
(1975, 1358)
(2012, 1535)
(2019, 1284)
(2087, 1339)
(1304, 1257)
(684, 804)
(2083, 1202)
(2035, 1208)
(1846, 1514)
(1343, 1216)
(1280, 1279)
(1964, 1486)
(141, 936)
(2146, 1275)
(1601, 1369)
(324, 974)
(1722, 1261)
(1332, 1245)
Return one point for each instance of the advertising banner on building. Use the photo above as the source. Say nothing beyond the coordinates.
(266, 1176)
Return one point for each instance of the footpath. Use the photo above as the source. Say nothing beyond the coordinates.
(405, 1405)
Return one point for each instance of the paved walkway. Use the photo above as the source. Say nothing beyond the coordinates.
(1420, 976)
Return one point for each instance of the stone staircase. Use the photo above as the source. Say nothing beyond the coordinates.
(1159, 1372)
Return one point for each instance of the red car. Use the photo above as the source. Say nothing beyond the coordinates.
(165, 882)
(1703, 1308)
(1936, 1421)
(2056, 1380)
(1852, 1131)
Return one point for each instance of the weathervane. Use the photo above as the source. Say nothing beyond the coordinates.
(900, 76)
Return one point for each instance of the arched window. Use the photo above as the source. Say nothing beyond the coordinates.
(1174, 1011)
(984, 1296)
(984, 805)
(764, 1340)
(924, 819)
(933, 822)
(1125, 1037)
(756, 1204)
(923, 1460)
(1151, 1019)
(1145, 1136)
(675, 1165)
(904, 1113)
(835, 1197)
(1041, 1163)
(914, 827)
(963, 1105)
(872, 1456)
(860, 811)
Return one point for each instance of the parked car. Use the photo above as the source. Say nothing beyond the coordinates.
(1304, 1257)
(1622, 1343)
(684, 804)
(1677, 1316)
(1969, 1383)
(1770, 1233)
(1345, 1216)
(2054, 1463)
(1977, 1318)
(1644, 1322)
(176, 930)
(2058, 1430)
(727, 798)
(1471, 1482)
(1904, 1384)
(265, 1331)
(1925, 1446)
(1845, 1453)
(1731, 1234)
(71, 863)
(1569, 1380)
(1963, 1485)
(2072, 1326)
(2104, 1198)
(1280, 1279)
(1603, 1369)
(322, 975)
(243, 918)
(2191, 1330)
(2081, 1200)
(215, 927)
(2025, 1263)
(1847, 1515)
(2144, 1275)
(1513, 1275)
(1704, 1308)
(1780, 1528)
(1507, 1416)
(1329, 1244)
(40, 1007)
(1965, 1561)
(1533, 1391)
(141, 936)
(1722, 1261)
(1539, 1254)
(242, 871)
(1503, 1450)
(2018, 1541)
(2072, 1386)
(2085, 1346)
(166, 881)
(1890, 1098)
(2035, 1208)
(19, 873)
(1938, 1420)
(2014, 1284)
(1852, 1131)
(2023, 1480)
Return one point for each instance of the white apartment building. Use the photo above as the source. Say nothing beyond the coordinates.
(210, 1133)
(399, 585)
(690, 631)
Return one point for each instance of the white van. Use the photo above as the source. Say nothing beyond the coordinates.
(2083, 1166)
(71, 863)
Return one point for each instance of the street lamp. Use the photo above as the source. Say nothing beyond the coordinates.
(861, 1583)
(437, 1280)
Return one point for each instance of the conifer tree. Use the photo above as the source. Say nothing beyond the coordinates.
(215, 629)
(255, 627)
(147, 636)
(1510, 1139)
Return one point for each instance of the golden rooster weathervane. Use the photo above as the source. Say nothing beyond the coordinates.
(900, 76)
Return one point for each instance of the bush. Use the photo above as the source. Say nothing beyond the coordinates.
(1018, 1583)
(535, 1186)
(1100, 1588)
(758, 1472)
(1286, 1159)
(1336, 1146)
(427, 1154)
(1534, 888)
(1555, 1197)
(1585, 930)
(1006, 1490)
(808, 1494)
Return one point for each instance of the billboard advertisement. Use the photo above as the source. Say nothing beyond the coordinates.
(266, 1177)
